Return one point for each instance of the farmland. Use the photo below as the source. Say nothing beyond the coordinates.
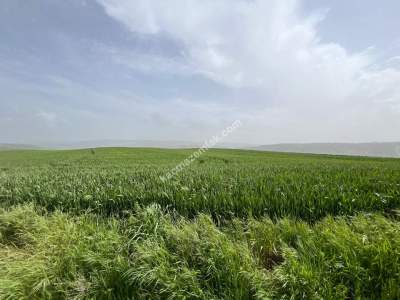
(235, 224)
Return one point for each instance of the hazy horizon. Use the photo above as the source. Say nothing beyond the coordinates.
(293, 71)
(371, 149)
(194, 143)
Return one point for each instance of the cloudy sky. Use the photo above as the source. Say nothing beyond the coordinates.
(289, 70)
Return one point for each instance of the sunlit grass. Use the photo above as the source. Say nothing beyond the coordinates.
(151, 254)
(226, 183)
(234, 225)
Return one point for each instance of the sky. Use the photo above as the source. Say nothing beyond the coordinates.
(183, 70)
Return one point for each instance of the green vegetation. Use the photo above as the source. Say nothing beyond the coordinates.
(222, 183)
(101, 224)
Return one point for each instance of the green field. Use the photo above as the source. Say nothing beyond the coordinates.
(102, 224)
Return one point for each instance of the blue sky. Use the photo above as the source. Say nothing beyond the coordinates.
(290, 71)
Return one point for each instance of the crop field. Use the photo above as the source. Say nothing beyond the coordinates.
(104, 224)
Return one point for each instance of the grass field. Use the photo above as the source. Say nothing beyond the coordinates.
(235, 224)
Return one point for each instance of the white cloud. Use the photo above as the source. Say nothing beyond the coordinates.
(287, 84)
(267, 46)
(48, 117)
(241, 43)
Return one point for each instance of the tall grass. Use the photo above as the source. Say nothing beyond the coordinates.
(154, 255)
(225, 184)
(234, 225)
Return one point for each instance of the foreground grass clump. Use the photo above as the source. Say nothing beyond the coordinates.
(57, 256)
(223, 183)
(152, 254)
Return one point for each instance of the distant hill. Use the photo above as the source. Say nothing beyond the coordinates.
(5, 146)
(138, 143)
(359, 149)
(121, 143)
